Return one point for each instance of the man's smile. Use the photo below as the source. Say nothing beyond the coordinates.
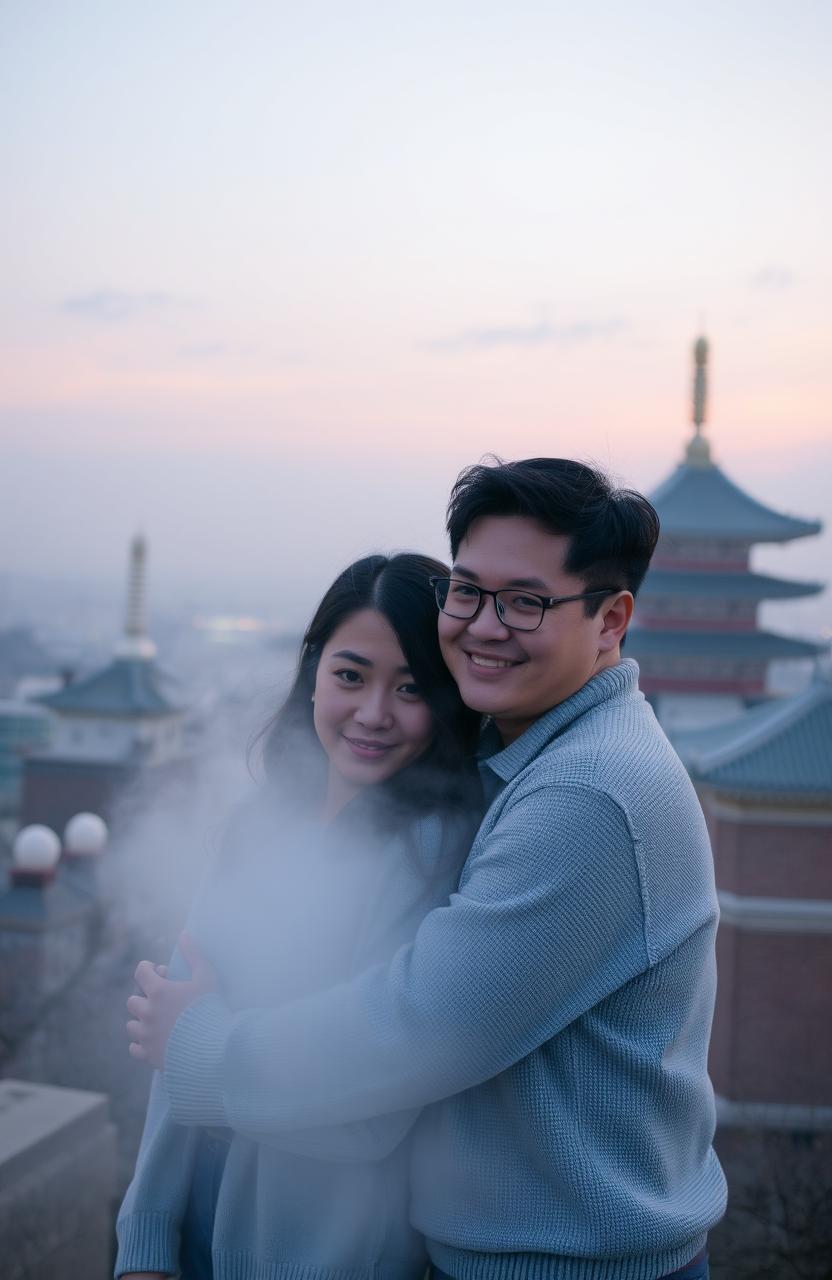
(490, 661)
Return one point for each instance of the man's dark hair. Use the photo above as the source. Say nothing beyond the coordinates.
(612, 532)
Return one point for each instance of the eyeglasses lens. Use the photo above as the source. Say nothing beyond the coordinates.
(523, 613)
(456, 598)
(461, 600)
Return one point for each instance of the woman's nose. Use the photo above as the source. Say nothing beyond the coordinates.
(374, 712)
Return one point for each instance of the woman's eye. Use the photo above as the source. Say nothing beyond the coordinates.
(410, 690)
(347, 676)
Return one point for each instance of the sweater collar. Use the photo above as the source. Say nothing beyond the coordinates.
(614, 682)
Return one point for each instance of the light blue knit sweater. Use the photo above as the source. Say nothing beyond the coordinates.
(560, 1006)
(295, 908)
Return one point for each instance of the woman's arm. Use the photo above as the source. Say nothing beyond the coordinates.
(148, 1224)
(362, 1140)
(149, 1221)
(353, 1142)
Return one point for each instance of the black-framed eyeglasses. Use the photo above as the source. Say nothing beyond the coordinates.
(517, 609)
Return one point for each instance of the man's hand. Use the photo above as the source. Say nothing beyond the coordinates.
(154, 1012)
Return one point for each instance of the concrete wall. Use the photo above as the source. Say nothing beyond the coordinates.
(57, 1169)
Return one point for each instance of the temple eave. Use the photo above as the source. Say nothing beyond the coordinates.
(748, 646)
(713, 584)
(751, 533)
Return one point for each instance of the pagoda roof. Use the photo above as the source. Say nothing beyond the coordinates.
(782, 748)
(700, 500)
(754, 646)
(127, 687)
(746, 586)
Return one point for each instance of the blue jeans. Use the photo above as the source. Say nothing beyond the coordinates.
(696, 1269)
(198, 1224)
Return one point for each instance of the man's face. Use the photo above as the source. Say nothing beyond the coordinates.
(516, 676)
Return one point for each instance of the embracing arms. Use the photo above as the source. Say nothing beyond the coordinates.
(548, 920)
(191, 975)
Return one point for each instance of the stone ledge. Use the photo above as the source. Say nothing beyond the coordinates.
(38, 1120)
(57, 1175)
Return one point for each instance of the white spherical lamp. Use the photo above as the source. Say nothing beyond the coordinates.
(85, 835)
(36, 849)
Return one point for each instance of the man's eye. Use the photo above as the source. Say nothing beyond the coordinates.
(525, 602)
(347, 675)
(463, 589)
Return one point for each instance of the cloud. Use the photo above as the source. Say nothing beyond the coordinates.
(109, 306)
(771, 277)
(532, 335)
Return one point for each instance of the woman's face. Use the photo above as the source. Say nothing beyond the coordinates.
(369, 716)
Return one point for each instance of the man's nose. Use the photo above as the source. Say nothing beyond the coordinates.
(487, 625)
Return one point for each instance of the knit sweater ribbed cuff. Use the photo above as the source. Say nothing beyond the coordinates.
(467, 1265)
(193, 1062)
(147, 1242)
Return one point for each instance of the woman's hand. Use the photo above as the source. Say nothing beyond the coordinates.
(154, 1012)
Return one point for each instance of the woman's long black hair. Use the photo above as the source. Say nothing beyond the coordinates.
(444, 778)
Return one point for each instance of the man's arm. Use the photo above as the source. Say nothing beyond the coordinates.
(356, 1142)
(548, 920)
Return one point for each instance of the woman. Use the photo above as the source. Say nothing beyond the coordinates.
(369, 810)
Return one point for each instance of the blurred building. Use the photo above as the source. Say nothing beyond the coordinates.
(50, 923)
(765, 781)
(703, 658)
(118, 728)
(21, 658)
(24, 727)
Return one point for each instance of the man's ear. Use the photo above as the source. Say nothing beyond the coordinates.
(615, 614)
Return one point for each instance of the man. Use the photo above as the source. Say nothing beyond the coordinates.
(557, 1010)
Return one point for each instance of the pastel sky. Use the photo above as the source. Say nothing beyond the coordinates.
(273, 273)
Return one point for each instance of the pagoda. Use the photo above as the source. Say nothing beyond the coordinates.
(702, 655)
(116, 727)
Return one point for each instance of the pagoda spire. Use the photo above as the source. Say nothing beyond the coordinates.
(135, 642)
(698, 452)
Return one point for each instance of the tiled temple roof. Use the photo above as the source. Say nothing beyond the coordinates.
(783, 748)
(746, 586)
(702, 501)
(755, 646)
(127, 687)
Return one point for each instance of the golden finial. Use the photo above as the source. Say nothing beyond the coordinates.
(698, 453)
